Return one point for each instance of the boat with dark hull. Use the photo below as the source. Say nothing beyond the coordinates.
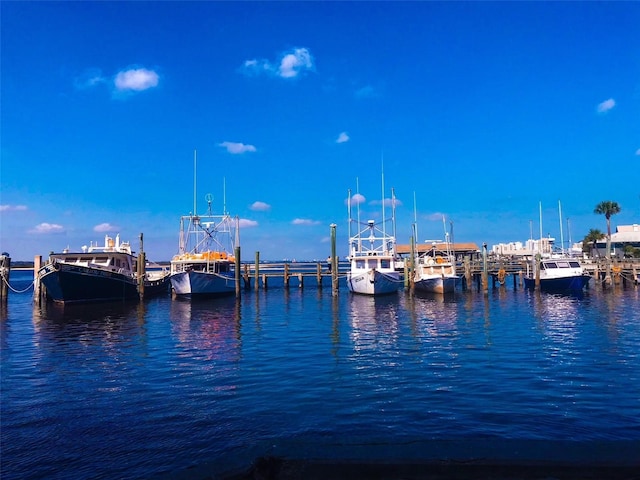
(559, 275)
(99, 273)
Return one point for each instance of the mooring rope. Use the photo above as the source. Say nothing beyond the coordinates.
(4, 279)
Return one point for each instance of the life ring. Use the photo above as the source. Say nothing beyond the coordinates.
(439, 260)
(501, 275)
(616, 270)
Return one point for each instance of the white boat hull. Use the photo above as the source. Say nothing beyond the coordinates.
(202, 283)
(437, 284)
(373, 282)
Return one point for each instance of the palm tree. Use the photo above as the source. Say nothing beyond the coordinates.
(589, 241)
(607, 208)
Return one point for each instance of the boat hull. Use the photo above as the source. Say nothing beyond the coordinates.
(437, 284)
(77, 284)
(373, 282)
(202, 283)
(560, 284)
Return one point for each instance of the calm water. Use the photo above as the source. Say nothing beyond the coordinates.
(137, 390)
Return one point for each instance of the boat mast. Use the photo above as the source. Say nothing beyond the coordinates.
(561, 237)
(540, 244)
(358, 210)
(415, 218)
(384, 230)
(194, 182)
(393, 213)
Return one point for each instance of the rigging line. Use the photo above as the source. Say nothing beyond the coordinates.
(4, 279)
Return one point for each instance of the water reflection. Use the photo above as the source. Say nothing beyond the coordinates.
(374, 320)
(432, 314)
(209, 326)
(558, 314)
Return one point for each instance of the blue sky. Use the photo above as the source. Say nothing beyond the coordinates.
(480, 110)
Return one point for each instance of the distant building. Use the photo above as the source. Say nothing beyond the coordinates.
(531, 247)
(625, 235)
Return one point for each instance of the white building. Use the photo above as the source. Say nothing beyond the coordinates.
(625, 235)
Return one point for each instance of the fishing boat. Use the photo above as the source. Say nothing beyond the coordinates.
(556, 271)
(205, 264)
(559, 275)
(372, 257)
(435, 274)
(99, 273)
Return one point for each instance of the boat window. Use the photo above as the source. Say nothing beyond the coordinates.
(563, 264)
(574, 264)
(224, 267)
(372, 263)
(85, 259)
(71, 259)
(101, 260)
(386, 263)
(359, 263)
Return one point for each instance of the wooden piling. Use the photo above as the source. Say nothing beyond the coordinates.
(264, 281)
(485, 280)
(536, 265)
(141, 268)
(256, 273)
(286, 275)
(319, 274)
(467, 272)
(300, 281)
(247, 279)
(38, 289)
(334, 262)
(5, 273)
(236, 256)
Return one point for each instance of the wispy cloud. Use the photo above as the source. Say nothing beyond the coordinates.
(47, 228)
(89, 79)
(434, 217)
(342, 138)
(135, 79)
(304, 221)
(365, 92)
(356, 199)
(260, 206)
(388, 202)
(105, 227)
(236, 147)
(606, 105)
(638, 151)
(13, 208)
(246, 223)
(290, 64)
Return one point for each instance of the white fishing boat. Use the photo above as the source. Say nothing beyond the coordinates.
(99, 273)
(205, 263)
(435, 273)
(372, 257)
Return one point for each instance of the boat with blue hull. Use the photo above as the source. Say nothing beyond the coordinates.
(559, 275)
(98, 273)
(205, 264)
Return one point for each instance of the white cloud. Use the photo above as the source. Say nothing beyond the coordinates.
(343, 137)
(236, 148)
(260, 206)
(15, 208)
(304, 221)
(137, 79)
(638, 151)
(606, 105)
(47, 228)
(357, 199)
(105, 227)
(434, 217)
(295, 62)
(245, 223)
(291, 64)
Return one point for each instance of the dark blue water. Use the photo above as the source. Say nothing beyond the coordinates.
(136, 390)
